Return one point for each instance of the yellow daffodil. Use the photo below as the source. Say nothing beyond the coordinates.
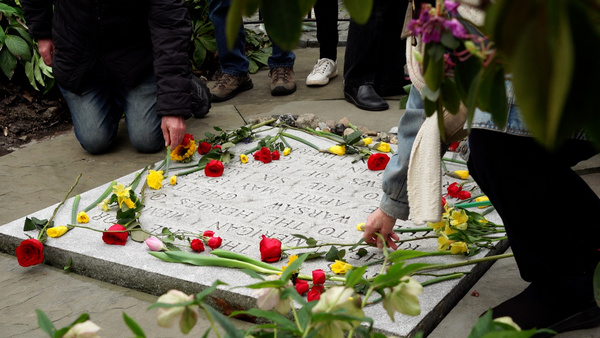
(482, 199)
(366, 141)
(459, 247)
(458, 217)
(444, 243)
(287, 151)
(104, 204)
(129, 203)
(122, 192)
(82, 217)
(338, 150)
(154, 179)
(182, 153)
(243, 158)
(57, 231)
(173, 180)
(340, 267)
(462, 174)
(384, 147)
(360, 226)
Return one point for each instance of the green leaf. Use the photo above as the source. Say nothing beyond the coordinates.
(233, 23)
(199, 53)
(69, 265)
(332, 254)
(251, 7)
(8, 63)
(293, 267)
(362, 252)
(353, 138)
(360, 10)
(18, 47)
(273, 316)
(23, 33)
(45, 323)
(243, 258)
(209, 42)
(133, 326)
(283, 21)
(139, 235)
(30, 74)
(355, 276)
(224, 322)
(433, 66)
(451, 97)
(188, 320)
(2, 37)
(449, 41)
(464, 73)
(164, 257)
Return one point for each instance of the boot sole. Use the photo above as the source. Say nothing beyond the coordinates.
(281, 90)
(242, 88)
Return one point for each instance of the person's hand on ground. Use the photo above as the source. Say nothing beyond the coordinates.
(46, 49)
(173, 128)
(380, 222)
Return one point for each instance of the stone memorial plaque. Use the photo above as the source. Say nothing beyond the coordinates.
(310, 193)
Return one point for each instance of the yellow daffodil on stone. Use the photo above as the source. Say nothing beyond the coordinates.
(459, 247)
(82, 217)
(243, 158)
(338, 150)
(360, 226)
(287, 151)
(444, 243)
(367, 141)
(173, 180)
(403, 298)
(58, 231)
(129, 203)
(384, 147)
(340, 267)
(462, 174)
(122, 192)
(154, 179)
(482, 199)
(339, 299)
(104, 204)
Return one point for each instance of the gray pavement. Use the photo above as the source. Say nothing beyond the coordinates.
(39, 174)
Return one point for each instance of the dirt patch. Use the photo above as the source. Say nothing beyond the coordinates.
(27, 115)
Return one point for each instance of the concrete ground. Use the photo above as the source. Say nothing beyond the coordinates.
(39, 174)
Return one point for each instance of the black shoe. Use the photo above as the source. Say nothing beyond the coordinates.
(530, 309)
(201, 97)
(391, 90)
(365, 97)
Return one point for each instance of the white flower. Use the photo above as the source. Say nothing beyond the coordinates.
(86, 329)
(341, 300)
(270, 298)
(168, 315)
(403, 298)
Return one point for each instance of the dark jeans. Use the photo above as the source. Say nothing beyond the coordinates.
(550, 213)
(375, 54)
(326, 15)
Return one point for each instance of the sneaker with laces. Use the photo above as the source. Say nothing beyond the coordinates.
(323, 70)
(229, 86)
(282, 81)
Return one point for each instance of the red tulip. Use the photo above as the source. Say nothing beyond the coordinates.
(301, 286)
(270, 249)
(214, 242)
(318, 276)
(197, 245)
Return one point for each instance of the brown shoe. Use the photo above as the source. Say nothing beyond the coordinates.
(282, 81)
(229, 86)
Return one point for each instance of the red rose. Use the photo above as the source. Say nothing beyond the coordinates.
(318, 276)
(463, 195)
(377, 161)
(313, 295)
(453, 146)
(454, 189)
(214, 242)
(30, 252)
(301, 286)
(197, 245)
(115, 238)
(270, 249)
(214, 168)
(204, 148)
(275, 155)
(186, 139)
(256, 156)
(265, 155)
(208, 233)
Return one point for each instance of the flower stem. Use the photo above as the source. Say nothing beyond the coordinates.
(294, 137)
(168, 161)
(101, 197)
(74, 210)
(191, 171)
(211, 320)
(443, 278)
(267, 122)
(425, 229)
(473, 204)
(465, 263)
(453, 160)
(43, 231)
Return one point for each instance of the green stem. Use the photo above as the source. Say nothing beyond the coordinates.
(102, 197)
(453, 160)
(443, 279)
(488, 210)
(251, 150)
(211, 320)
(168, 160)
(285, 142)
(473, 204)
(137, 178)
(465, 263)
(43, 231)
(258, 125)
(413, 230)
(296, 319)
(294, 137)
(74, 210)
(191, 171)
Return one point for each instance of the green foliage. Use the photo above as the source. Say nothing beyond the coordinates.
(18, 51)
(203, 32)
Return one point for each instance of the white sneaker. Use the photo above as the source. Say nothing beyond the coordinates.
(324, 70)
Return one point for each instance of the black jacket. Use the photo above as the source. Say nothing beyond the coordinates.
(126, 39)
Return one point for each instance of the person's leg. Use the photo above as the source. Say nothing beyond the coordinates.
(549, 214)
(326, 15)
(143, 125)
(95, 115)
(281, 64)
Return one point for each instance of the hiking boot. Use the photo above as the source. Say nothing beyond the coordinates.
(323, 70)
(201, 98)
(229, 86)
(282, 81)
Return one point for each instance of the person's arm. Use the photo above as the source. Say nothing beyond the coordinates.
(38, 16)
(170, 30)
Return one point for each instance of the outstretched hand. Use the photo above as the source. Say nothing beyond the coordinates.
(380, 222)
(173, 128)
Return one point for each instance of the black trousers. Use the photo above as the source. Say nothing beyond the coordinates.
(326, 15)
(550, 213)
(375, 54)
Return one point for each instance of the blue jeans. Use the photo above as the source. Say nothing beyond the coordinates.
(97, 111)
(234, 61)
